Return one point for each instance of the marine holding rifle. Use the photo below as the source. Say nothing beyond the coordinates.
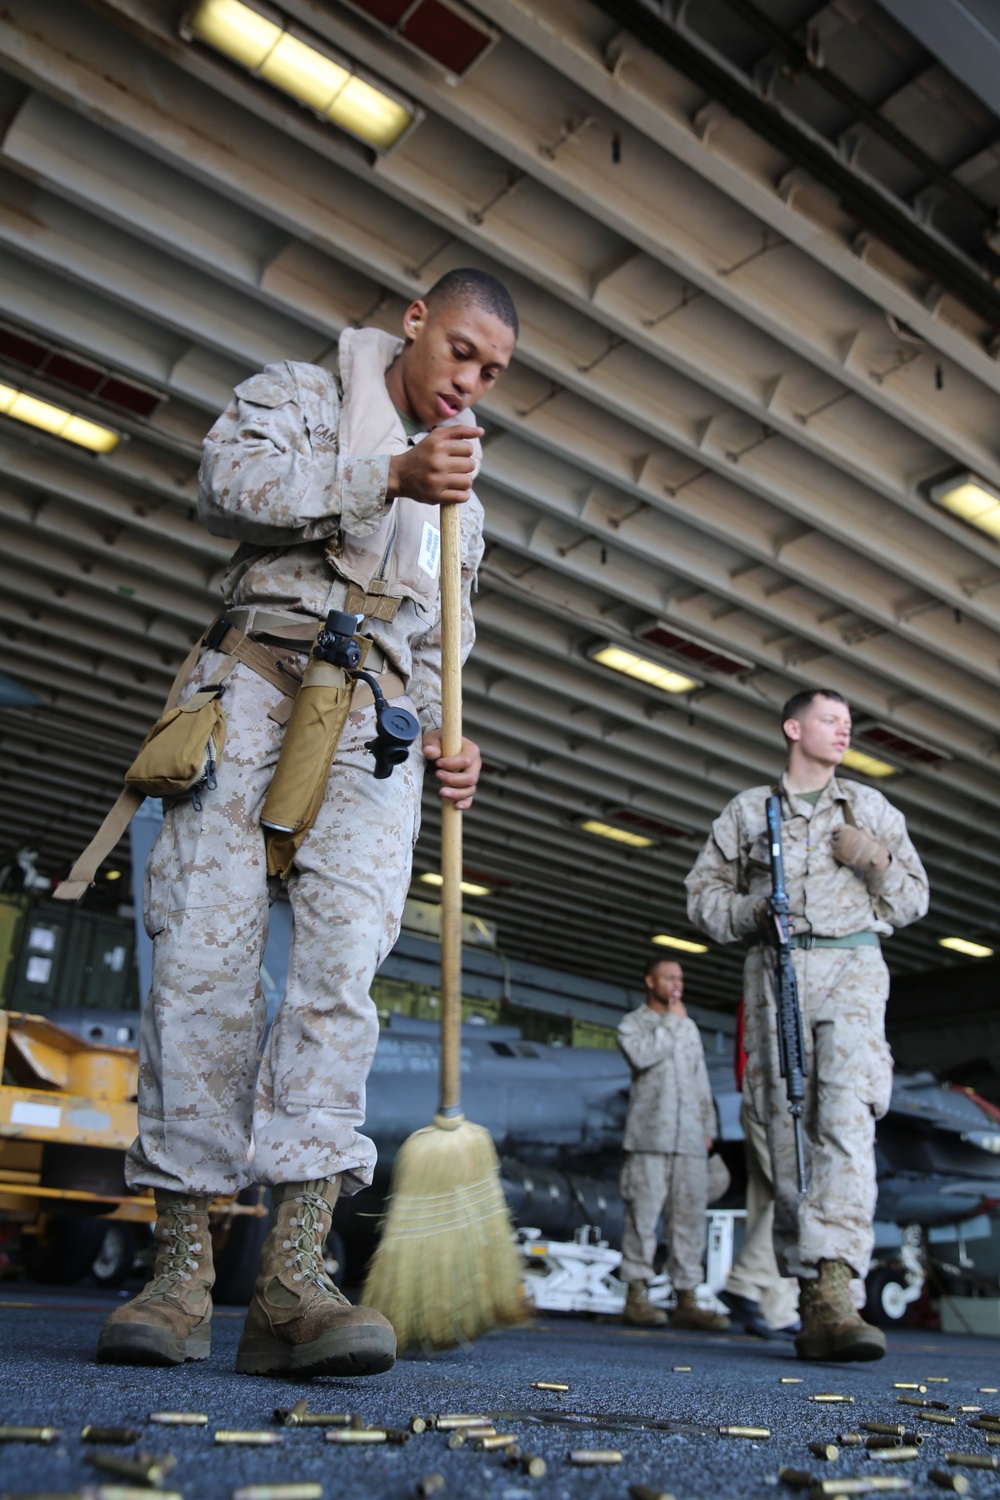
(852, 875)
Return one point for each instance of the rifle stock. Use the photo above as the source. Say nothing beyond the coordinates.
(791, 1044)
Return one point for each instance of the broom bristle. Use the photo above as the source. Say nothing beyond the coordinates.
(446, 1268)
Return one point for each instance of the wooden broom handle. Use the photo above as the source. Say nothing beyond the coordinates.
(451, 818)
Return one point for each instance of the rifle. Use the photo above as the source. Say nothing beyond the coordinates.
(791, 1045)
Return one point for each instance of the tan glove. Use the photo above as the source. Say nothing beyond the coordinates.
(853, 846)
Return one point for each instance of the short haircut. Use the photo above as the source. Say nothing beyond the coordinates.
(656, 961)
(802, 700)
(466, 284)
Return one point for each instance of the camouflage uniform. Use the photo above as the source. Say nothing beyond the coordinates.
(670, 1112)
(213, 1115)
(842, 990)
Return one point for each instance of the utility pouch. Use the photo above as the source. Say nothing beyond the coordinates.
(182, 749)
(298, 785)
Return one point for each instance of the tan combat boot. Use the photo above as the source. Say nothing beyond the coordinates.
(297, 1320)
(832, 1328)
(689, 1315)
(640, 1311)
(170, 1320)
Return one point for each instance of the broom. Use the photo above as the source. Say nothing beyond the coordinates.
(446, 1270)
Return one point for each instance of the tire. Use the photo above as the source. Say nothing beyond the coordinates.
(114, 1260)
(237, 1254)
(886, 1307)
(63, 1250)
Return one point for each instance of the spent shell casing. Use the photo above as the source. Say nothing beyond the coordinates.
(912, 1401)
(681, 1369)
(895, 1455)
(937, 1416)
(549, 1385)
(454, 1423)
(418, 1424)
(398, 1434)
(179, 1418)
(908, 1385)
(498, 1440)
(456, 1440)
(584, 1456)
(973, 1460)
(827, 1451)
(534, 1465)
(356, 1435)
(881, 1440)
(14, 1434)
(279, 1492)
(870, 1485)
(969, 1408)
(647, 1492)
(144, 1468)
(992, 1438)
(93, 1434)
(431, 1484)
(799, 1479)
(745, 1432)
(791, 1380)
(249, 1439)
(831, 1398)
(326, 1419)
(850, 1439)
(937, 1379)
(957, 1483)
(987, 1390)
(985, 1424)
(126, 1492)
(912, 1439)
(888, 1429)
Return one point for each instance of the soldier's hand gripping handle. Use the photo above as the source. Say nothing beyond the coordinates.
(438, 470)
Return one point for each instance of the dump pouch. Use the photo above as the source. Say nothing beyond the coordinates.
(298, 785)
(182, 749)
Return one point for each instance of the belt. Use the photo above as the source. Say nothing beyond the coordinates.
(291, 631)
(849, 940)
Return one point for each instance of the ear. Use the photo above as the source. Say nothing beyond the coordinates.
(414, 318)
(792, 729)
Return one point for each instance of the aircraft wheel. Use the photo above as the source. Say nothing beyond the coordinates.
(887, 1305)
(114, 1259)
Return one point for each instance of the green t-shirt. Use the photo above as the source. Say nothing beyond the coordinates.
(410, 427)
(811, 797)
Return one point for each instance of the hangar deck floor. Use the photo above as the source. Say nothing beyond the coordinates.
(49, 1377)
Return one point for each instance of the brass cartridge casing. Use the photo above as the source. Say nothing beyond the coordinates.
(454, 1423)
(179, 1418)
(880, 1440)
(973, 1460)
(827, 1451)
(15, 1434)
(799, 1479)
(967, 1409)
(957, 1483)
(594, 1456)
(908, 1385)
(889, 1429)
(850, 1439)
(248, 1439)
(937, 1416)
(497, 1440)
(355, 1435)
(895, 1455)
(745, 1432)
(456, 1441)
(126, 1492)
(144, 1468)
(549, 1385)
(992, 1438)
(912, 1439)
(681, 1369)
(985, 1424)
(291, 1417)
(988, 1390)
(870, 1485)
(647, 1492)
(418, 1424)
(533, 1465)
(831, 1398)
(279, 1492)
(397, 1434)
(94, 1434)
(937, 1379)
(790, 1380)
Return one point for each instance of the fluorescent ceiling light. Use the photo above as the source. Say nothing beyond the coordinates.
(970, 499)
(618, 835)
(653, 672)
(963, 945)
(469, 888)
(664, 940)
(57, 420)
(331, 86)
(868, 765)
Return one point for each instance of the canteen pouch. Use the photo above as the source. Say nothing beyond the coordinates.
(182, 749)
(298, 785)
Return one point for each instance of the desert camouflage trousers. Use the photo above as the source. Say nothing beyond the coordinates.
(842, 992)
(676, 1186)
(216, 1114)
(755, 1273)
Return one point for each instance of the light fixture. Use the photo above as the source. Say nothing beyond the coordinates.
(469, 887)
(641, 667)
(971, 499)
(868, 765)
(329, 85)
(963, 945)
(112, 874)
(684, 945)
(617, 835)
(57, 420)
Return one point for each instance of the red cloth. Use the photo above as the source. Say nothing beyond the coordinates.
(740, 1055)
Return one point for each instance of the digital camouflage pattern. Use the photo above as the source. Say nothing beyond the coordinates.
(670, 1112)
(676, 1185)
(842, 992)
(281, 474)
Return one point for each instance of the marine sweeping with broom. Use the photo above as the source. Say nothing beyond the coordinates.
(316, 699)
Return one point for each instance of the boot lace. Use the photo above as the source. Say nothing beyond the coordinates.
(306, 1258)
(179, 1250)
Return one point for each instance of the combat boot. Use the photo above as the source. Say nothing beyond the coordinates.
(298, 1321)
(832, 1328)
(688, 1314)
(640, 1311)
(170, 1320)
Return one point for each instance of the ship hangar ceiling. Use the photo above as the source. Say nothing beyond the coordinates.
(752, 246)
